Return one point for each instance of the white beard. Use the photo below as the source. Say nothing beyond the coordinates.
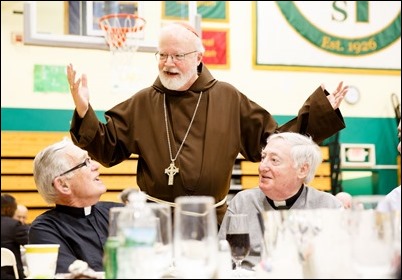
(176, 82)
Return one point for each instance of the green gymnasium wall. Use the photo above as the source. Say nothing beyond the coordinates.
(379, 131)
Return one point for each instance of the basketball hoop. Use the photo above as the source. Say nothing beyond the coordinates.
(123, 33)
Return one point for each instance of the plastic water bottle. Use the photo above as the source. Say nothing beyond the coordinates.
(137, 233)
(110, 264)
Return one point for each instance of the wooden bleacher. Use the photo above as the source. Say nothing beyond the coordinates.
(18, 150)
(321, 181)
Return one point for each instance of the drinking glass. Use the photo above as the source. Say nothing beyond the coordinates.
(195, 237)
(163, 259)
(237, 234)
(372, 238)
(114, 214)
(366, 202)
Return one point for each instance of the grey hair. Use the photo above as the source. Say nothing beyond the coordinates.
(47, 165)
(303, 151)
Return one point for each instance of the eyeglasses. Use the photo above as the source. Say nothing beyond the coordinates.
(86, 163)
(175, 57)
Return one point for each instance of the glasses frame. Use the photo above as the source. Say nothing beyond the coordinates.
(87, 163)
(175, 57)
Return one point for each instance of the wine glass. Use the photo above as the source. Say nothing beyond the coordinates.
(195, 237)
(237, 234)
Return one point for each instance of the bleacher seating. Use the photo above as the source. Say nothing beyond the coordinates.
(18, 150)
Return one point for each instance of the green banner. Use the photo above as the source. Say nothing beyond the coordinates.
(50, 78)
(209, 10)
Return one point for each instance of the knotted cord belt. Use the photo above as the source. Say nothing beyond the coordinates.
(172, 204)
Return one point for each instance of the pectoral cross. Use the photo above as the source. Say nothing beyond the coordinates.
(171, 171)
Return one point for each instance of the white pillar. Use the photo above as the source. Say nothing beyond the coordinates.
(193, 17)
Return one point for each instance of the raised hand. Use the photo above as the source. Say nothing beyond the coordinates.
(337, 96)
(79, 93)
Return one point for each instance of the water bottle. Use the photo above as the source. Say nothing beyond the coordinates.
(137, 232)
(112, 244)
(110, 263)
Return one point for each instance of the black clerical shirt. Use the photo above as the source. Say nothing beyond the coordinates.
(81, 233)
(286, 204)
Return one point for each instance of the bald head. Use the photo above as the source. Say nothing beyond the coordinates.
(345, 198)
(21, 214)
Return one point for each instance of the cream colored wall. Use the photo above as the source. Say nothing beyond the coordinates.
(51, 23)
(281, 92)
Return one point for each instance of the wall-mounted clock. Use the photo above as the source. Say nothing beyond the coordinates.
(353, 95)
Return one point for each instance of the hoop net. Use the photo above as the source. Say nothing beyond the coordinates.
(123, 32)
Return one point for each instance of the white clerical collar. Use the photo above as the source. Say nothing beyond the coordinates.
(87, 210)
(279, 203)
